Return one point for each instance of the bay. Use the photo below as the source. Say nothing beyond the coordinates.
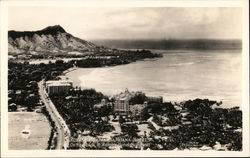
(180, 75)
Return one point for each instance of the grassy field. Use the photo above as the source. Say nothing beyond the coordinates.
(38, 126)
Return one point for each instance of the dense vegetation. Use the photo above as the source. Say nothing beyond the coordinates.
(129, 130)
(79, 112)
(138, 98)
(116, 58)
(206, 126)
(51, 142)
(202, 124)
(23, 78)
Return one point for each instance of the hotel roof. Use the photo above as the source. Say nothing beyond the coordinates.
(59, 83)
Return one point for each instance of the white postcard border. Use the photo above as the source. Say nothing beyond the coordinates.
(129, 3)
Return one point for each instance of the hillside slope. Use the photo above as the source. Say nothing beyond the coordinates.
(52, 39)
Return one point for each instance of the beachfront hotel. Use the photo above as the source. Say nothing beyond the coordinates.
(122, 102)
(123, 105)
(58, 86)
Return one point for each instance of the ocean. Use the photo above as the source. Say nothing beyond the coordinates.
(180, 75)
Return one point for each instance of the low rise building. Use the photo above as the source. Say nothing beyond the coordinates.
(58, 86)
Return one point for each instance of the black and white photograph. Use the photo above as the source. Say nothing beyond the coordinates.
(145, 77)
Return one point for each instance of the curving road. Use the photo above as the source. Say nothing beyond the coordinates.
(62, 129)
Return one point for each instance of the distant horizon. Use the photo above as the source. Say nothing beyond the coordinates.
(172, 39)
(142, 39)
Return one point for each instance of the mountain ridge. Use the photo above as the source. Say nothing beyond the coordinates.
(52, 39)
(48, 30)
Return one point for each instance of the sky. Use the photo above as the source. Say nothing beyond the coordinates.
(132, 23)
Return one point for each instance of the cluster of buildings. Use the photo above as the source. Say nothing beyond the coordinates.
(123, 105)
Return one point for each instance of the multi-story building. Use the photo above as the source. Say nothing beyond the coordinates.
(58, 86)
(122, 102)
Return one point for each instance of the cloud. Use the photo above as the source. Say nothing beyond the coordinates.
(160, 22)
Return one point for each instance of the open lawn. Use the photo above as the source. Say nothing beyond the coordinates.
(38, 126)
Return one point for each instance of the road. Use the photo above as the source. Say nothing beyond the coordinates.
(62, 130)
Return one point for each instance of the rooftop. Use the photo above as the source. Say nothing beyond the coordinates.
(125, 95)
(59, 83)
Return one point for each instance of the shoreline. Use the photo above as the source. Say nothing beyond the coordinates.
(69, 70)
(227, 103)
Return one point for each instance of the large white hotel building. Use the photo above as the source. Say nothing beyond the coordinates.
(58, 86)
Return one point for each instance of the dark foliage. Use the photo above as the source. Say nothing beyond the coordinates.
(130, 130)
(207, 127)
(79, 112)
(139, 98)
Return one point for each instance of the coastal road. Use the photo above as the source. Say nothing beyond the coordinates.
(61, 127)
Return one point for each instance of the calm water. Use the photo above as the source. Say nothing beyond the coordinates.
(178, 76)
